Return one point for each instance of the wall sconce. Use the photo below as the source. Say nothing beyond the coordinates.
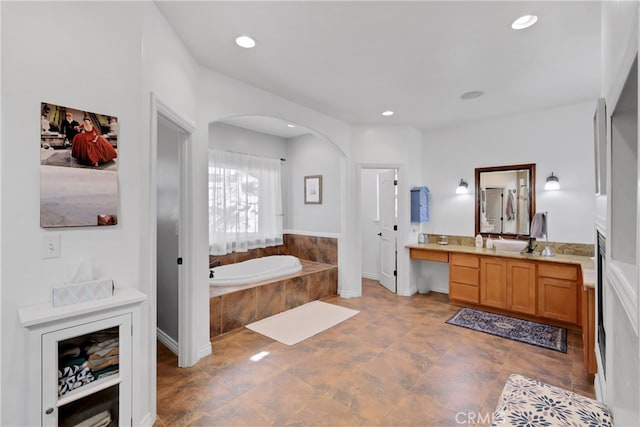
(552, 183)
(463, 187)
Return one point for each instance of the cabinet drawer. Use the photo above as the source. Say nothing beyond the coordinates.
(466, 275)
(558, 271)
(464, 292)
(428, 255)
(465, 260)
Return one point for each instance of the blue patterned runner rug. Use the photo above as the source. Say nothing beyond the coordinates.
(534, 333)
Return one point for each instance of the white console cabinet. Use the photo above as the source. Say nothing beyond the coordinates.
(80, 360)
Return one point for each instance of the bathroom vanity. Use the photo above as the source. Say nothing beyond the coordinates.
(547, 289)
(556, 290)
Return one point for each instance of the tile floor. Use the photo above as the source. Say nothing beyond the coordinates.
(396, 363)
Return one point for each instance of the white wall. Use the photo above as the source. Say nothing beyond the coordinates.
(35, 70)
(392, 147)
(1, 133)
(309, 155)
(232, 138)
(621, 391)
(558, 140)
(170, 73)
(221, 97)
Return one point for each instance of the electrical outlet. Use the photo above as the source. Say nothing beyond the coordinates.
(50, 246)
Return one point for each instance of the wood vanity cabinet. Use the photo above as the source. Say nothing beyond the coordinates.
(508, 284)
(540, 288)
(493, 282)
(521, 286)
(464, 277)
(558, 292)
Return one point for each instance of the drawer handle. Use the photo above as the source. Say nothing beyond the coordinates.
(49, 411)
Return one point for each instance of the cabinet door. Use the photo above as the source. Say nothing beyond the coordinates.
(493, 282)
(521, 286)
(558, 299)
(88, 398)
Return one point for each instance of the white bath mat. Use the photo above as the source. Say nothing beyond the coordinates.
(295, 325)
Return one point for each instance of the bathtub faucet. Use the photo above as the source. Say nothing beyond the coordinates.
(214, 263)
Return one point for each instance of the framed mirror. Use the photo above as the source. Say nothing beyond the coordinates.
(505, 200)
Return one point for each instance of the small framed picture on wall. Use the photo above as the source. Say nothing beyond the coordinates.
(313, 190)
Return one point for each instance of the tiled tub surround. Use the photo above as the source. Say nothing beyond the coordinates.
(232, 307)
(579, 249)
(311, 248)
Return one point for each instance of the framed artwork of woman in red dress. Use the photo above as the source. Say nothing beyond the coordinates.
(78, 167)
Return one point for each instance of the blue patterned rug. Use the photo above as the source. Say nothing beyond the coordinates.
(545, 336)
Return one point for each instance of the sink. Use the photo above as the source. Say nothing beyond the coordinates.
(510, 245)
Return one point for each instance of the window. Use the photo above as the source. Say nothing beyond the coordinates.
(245, 202)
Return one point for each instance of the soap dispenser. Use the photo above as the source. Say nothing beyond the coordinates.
(489, 243)
(479, 241)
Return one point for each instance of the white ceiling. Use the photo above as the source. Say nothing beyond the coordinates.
(353, 60)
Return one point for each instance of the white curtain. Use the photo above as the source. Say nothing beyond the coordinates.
(245, 202)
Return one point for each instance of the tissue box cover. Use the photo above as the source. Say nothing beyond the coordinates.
(82, 292)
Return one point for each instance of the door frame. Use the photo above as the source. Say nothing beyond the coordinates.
(187, 298)
(400, 176)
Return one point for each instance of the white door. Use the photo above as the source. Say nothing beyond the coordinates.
(388, 221)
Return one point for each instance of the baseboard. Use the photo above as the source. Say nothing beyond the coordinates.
(442, 290)
(372, 276)
(169, 342)
(407, 293)
(599, 387)
(147, 421)
(349, 294)
(205, 350)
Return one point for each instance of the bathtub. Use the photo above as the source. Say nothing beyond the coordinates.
(254, 270)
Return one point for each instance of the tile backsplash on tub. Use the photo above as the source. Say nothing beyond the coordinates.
(311, 248)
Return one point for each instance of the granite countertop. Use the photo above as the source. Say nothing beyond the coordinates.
(586, 263)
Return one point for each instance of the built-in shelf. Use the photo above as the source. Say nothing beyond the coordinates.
(35, 315)
(64, 337)
(88, 390)
(624, 178)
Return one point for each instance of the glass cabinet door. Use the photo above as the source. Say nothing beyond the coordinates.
(86, 371)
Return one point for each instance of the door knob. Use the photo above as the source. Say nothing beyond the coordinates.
(380, 234)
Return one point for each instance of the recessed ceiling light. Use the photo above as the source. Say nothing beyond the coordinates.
(387, 113)
(472, 94)
(524, 22)
(246, 42)
(291, 126)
